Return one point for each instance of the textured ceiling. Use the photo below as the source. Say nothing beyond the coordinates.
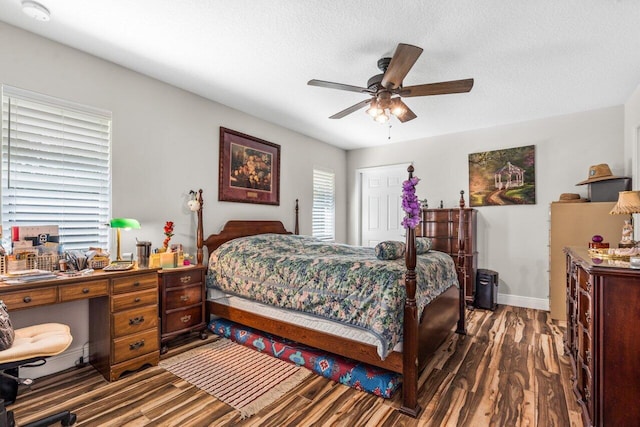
(529, 60)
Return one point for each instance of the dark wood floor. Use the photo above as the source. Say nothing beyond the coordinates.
(508, 371)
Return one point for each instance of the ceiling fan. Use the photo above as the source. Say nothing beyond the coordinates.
(386, 89)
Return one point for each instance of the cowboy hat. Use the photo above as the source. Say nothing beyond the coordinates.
(597, 173)
(571, 198)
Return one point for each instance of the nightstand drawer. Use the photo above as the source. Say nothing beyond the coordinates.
(183, 278)
(32, 298)
(131, 346)
(183, 297)
(134, 299)
(135, 283)
(92, 289)
(184, 319)
(136, 320)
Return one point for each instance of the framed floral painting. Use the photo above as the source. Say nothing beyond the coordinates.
(249, 169)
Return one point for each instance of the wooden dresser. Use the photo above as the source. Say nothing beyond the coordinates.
(603, 338)
(182, 302)
(123, 314)
(441, 225)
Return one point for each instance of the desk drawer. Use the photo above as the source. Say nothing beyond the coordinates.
(134, 299)
(182, 297)
(135, 320)
(131, 346)
(30, 298)
(135, 283)
(187, 277)
(85, 290)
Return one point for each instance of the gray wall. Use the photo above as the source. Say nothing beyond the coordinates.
(513, 240)
(165, 143)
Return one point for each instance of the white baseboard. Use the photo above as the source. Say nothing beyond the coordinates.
(55, 364)
(526, 302)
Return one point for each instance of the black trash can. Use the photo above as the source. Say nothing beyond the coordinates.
(486, 289)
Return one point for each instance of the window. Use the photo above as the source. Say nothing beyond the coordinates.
(324, 204)
(56, 167)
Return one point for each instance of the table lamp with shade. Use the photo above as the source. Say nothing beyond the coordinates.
(628, 204)
(122, 223)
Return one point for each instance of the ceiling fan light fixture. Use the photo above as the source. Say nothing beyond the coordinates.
(397, 109)
(373, 110)
(35, 10)
(382, 118)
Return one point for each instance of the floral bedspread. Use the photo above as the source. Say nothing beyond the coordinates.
(335, 281)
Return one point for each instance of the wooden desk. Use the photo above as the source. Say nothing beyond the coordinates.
(123, 314)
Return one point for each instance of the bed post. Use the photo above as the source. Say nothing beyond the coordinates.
(462, 327)
(296, 229)
(199, 230)
(410, 329)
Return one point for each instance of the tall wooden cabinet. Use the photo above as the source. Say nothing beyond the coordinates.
(441, 225)
(603, 339)
(574, 224)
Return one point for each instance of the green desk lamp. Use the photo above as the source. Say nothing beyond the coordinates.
(127, 224)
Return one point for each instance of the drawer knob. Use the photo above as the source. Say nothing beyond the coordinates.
(185, 279)
(136, 320)
(186, 318)
(136, 345)
(136, 283)
(137, 299)
(27, 299)
(184, 297)
(85, 290)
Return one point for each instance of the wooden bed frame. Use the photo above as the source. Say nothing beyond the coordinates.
(421, 338)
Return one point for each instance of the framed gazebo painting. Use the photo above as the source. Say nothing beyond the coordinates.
(503, 177)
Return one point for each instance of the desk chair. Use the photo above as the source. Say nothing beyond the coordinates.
(32, 344)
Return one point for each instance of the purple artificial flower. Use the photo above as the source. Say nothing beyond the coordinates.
(410, 203)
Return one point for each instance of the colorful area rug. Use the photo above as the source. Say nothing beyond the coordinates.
(340, 369)
(242, 378)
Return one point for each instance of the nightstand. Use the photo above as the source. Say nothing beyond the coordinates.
(182, 302)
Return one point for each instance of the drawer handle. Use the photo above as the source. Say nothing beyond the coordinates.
(85, 290)
(137, 299)
(136, 320)
(185, 279)
(136, 283)
(186, 318)
(136, 345)
(27, 299)
(184, 297)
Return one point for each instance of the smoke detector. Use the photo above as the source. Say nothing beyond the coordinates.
(35, 10)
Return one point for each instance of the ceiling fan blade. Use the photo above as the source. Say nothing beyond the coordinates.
(442, 88)
(351, 109)
(402, 111)
(403, 59)
(339, 86)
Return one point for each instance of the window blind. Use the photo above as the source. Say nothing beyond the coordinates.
(324, 205)
(56, 167)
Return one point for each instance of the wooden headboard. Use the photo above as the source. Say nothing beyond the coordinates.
(237, 228)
